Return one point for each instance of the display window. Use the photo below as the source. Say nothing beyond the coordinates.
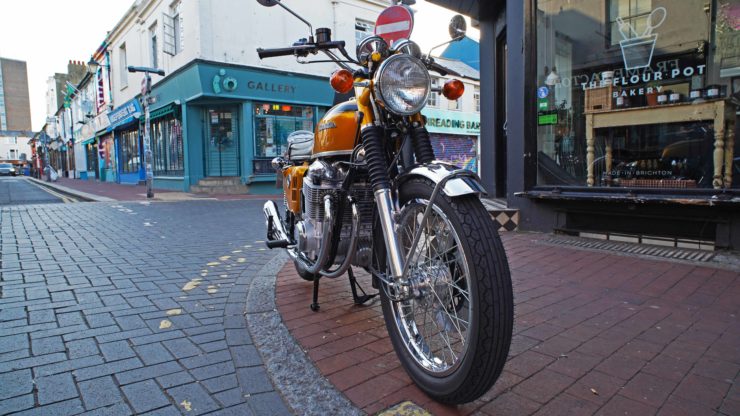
(130, 160)
(637, 93)
(167, 147)
(273, 123)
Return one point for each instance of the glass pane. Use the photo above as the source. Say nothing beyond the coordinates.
(636, 111)
(273, 123)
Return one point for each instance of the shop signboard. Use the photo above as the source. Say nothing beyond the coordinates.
(125, 113)
(452, 122)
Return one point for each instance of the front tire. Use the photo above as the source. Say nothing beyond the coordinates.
(452, 334)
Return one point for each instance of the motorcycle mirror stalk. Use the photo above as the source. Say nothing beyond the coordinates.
(270, 3)
(457, 29)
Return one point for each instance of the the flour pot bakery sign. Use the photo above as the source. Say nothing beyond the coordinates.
(639, 67)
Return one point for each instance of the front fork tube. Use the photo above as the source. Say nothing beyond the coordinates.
(386, 214)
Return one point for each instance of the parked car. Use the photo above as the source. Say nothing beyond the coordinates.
(7, 169)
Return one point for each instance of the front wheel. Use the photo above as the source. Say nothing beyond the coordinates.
(451, 326)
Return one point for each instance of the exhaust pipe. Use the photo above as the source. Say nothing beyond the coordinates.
(278, 238)
(275, 230)
(352, 245)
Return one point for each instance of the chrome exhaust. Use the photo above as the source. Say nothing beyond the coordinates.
(276, 232)
(352, 245)
(275, 228)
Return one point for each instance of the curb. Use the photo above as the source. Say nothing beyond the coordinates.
(84, 196)
(293, 374)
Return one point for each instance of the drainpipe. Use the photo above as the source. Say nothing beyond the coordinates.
(334, 4)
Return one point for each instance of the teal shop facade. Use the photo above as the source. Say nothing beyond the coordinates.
(211, 119)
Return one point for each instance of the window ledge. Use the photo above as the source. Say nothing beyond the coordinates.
(708, 197)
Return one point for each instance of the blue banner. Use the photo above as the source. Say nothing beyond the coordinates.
(124, 114)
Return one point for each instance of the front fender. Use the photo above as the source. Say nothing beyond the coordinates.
(436, 171)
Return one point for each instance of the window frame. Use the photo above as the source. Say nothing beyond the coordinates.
(366, 24)
(153, 49)
(611, 20)
(433, 100)
(123, 65)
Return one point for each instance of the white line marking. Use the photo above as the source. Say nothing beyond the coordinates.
(392, 27)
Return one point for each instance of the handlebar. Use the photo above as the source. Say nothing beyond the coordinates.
(299, 50)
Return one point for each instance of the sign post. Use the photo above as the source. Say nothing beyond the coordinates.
(146, 89)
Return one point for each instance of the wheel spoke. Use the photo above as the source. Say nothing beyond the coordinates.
(436, 331)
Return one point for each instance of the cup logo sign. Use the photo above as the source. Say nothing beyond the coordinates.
(638, 48)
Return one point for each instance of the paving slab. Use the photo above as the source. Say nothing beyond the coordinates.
(595, 333)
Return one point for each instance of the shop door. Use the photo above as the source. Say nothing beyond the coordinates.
(222, 142)
(501, 116)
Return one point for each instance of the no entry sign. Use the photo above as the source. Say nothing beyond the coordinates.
(395, 22)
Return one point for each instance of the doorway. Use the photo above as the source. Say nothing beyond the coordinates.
(501, 116)
(221, 151)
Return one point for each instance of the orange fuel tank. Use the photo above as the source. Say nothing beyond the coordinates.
(335, 134)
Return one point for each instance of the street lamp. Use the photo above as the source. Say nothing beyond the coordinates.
(92, 66)
(146, 89)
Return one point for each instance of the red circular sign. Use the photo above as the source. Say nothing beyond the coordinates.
(395, 22)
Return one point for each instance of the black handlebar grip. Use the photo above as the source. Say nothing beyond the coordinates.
(271, 53)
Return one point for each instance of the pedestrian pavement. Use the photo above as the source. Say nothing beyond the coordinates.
(595, 333)
(178, 308)
(92, 190)
(131, 308)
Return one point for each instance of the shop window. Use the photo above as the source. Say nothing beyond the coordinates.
(363, 29)
(130, 160)
(167, 147)
(92, 156)
(273, 123)
(651, 108)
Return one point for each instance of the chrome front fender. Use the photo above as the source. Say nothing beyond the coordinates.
(437, 171)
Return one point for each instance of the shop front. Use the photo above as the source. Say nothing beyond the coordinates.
(120, 156)
(454, 136)
(618, 117)
(219, 123)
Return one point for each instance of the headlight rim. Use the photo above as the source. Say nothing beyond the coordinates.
(377, 85)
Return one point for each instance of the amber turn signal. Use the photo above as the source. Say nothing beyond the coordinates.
(342, 81)
(453, 89)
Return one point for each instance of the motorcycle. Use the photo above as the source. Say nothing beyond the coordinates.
(366, 191)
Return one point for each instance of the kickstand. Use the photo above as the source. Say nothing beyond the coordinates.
(359, 300)
(315, 304)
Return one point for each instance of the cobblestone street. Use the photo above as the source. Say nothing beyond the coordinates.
(131, 308)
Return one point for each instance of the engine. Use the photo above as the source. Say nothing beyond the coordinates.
(324, 179)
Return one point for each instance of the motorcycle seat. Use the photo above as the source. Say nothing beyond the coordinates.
(300, 144)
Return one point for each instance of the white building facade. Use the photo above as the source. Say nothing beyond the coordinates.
(220, 111)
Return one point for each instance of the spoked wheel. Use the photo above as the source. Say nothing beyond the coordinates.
(451, 325)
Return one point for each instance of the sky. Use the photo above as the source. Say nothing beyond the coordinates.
(49, 33)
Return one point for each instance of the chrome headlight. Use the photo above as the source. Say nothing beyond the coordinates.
(402, 84)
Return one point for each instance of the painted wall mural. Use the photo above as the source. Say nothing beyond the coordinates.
(459, 150)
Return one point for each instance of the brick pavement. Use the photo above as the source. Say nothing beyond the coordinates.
(595, 333)
(122, 308)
